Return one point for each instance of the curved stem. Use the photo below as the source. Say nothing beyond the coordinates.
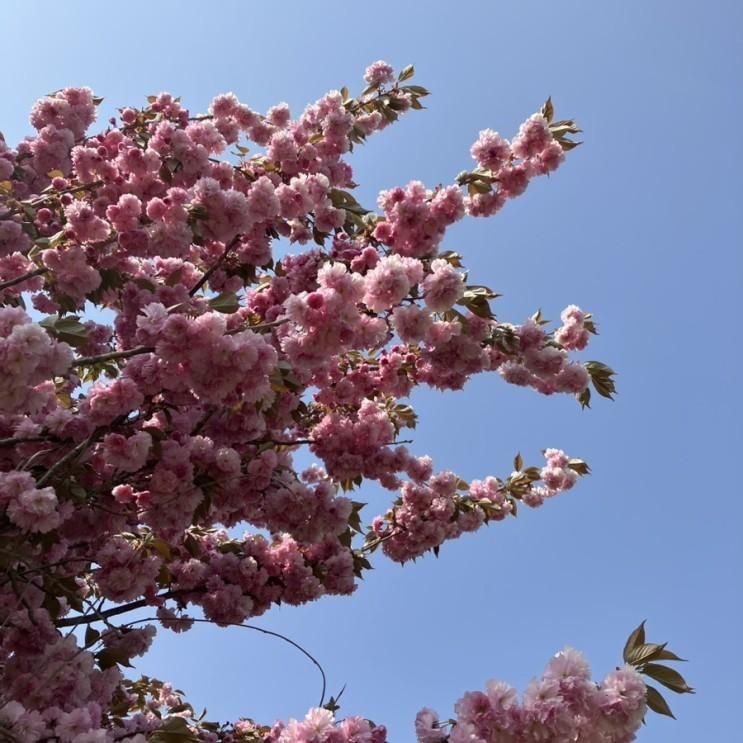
(286, 639)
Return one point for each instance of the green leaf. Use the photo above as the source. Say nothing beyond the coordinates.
(669, 677)
(539, 318)
(388, 113)
(636, 638)
(477, 290)
(354, 520)
(579, 466)
(395, 104)
(68, 329)
(332, 705)
(477, 304)
(91, 636)
(548, 110)
(564, 125)
(319, 237)
(643, 653)
(110, 657)
(226, 303)
(407, 72)
(174, 730)
(184, 707)
(657, 703)
(602, 378)
(360, 563)
(405, 415)
(52, 605)
(161, 547)
(667, 655)
(174, 278)
(452, 258)
(344, 200)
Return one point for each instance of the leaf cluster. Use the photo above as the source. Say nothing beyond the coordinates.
(644, 656)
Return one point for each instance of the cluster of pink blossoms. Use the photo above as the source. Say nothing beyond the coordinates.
(563, 706)
(431, 510)
(319, 725)
(511, 165)
(29, 359)
(416, 218)
(573, 334)
(131, 443)
(27, 507)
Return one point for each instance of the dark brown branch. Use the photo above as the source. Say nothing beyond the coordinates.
(23, 277)
(112, 612)
(13, 441)
(207, 274)
(113, 355)
(139, 350)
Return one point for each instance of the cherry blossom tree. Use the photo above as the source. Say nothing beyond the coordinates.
(160, 365)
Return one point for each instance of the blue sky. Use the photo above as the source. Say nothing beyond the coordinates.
(642, 227)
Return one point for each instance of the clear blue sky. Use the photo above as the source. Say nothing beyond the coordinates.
(642, 227)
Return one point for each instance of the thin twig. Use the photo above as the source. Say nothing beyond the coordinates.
(369, 547)
(74, 189)
(261, 326)
(291, 642)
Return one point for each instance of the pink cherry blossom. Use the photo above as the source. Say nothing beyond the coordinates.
(207, 310)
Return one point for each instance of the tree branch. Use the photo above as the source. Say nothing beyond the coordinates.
(210, 271)
(74, 189)
(69, 457)
(23, 277)
(112, 612)
(14, 441)
(113, 355)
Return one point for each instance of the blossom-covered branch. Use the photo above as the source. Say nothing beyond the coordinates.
(133, 438)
